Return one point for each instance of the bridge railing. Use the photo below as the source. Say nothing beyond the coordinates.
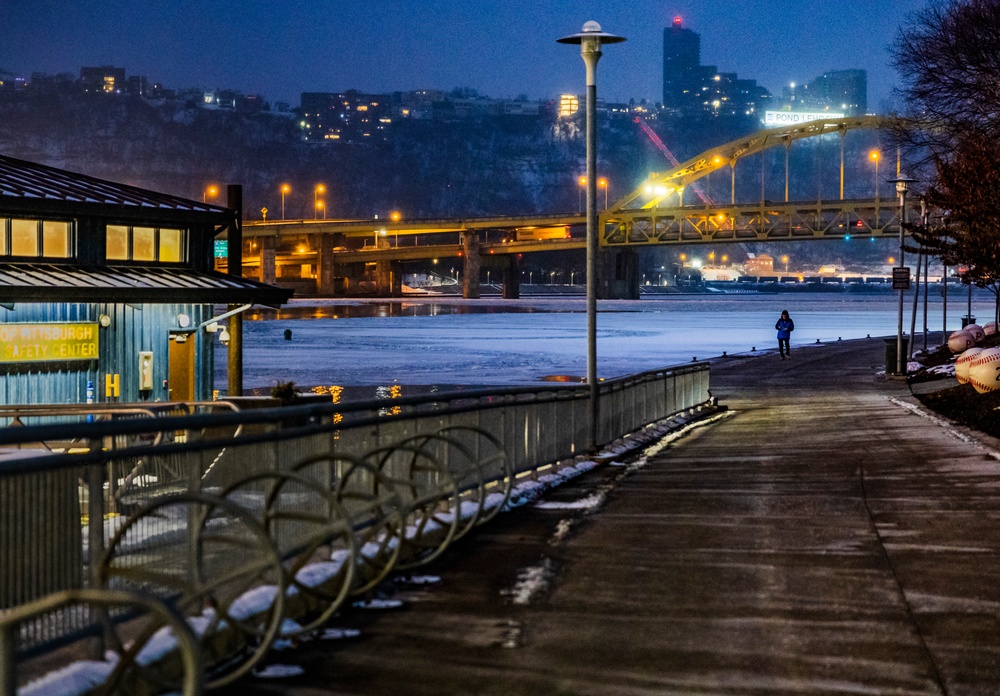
(302, 505)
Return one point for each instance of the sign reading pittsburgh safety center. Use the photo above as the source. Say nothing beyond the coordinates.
(47, 342)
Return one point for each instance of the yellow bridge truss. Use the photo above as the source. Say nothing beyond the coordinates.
(643, 217)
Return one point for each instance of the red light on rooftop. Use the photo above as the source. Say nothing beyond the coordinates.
(677, 21)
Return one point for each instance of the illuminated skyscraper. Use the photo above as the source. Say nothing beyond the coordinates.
(681, 66)
(693, 89)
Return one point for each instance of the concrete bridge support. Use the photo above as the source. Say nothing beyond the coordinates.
(389, 279)
(268, 264)
(326, 270)
(470, 265)
(512, 277)
(617, 274)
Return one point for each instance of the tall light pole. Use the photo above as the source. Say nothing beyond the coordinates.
(590, 40)
(317, 204)
(285, 188)
(603, 183)
(902, 186)
(211, 191)
(875, 157)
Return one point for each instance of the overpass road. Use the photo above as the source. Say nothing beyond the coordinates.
(827, 537)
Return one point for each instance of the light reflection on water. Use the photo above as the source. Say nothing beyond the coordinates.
(387, 309)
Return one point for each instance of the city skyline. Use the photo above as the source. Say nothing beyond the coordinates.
(502, 50)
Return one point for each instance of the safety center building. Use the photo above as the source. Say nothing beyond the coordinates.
(107, 291)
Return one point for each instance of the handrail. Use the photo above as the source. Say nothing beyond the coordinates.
(324, 499)
(10, 619)
(98, 430)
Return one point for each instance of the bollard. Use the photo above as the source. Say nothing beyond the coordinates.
(288, 334)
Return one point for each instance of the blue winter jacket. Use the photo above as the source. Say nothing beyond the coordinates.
(785, 328)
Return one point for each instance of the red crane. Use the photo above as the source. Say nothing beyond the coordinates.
(669, 155)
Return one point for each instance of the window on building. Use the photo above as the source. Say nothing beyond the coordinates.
(170, 244)
(36, 238)
(143, 248)
(24, 237)
(56, 239)
(117, 243)
(163, 244)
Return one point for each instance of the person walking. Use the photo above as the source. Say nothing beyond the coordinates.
(785, 327)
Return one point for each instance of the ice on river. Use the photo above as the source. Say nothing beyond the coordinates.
(509, 342)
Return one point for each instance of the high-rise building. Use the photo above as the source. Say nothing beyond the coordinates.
(841, 90)
(681, 63)
(690, 88)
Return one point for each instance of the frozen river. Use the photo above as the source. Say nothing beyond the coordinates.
(444, 341)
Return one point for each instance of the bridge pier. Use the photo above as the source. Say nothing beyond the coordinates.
(512, 277)
(268, 260)
(389, 279)
(470, 265)
(323, 243)
(617, 274)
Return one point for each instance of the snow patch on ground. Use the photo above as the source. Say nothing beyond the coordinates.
(592, 501)
(73, 680)
(532, 582)
(279, 672)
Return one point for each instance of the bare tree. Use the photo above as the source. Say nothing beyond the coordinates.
(948, 56)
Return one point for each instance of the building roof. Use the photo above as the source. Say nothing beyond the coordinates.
(62, 282)
(28, 181)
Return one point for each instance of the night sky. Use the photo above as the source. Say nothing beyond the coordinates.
(280, 48)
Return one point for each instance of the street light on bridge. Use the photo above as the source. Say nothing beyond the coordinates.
(590, 40)
(875, 156)
(285, 189)
(582, 181)
(317, 203)
(603, 183)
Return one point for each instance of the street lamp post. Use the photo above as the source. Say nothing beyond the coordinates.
(590, 40)
(210, 192)
(317, 204)
(785, 259)
(285, 188)
(583, 187)
(875, 156)
(603, 183)
(902, 186)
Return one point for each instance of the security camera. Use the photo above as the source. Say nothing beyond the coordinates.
(224, 337)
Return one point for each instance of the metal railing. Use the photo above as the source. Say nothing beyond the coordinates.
(241, 520)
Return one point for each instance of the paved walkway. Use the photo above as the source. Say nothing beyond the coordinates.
(822, 539)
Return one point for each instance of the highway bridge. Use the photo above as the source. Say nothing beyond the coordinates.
(331, 257)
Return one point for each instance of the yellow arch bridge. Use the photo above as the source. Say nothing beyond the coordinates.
(668, 208)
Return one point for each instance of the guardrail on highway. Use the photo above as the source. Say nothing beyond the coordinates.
(239, 521)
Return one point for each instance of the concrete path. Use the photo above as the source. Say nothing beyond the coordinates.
(824, 538)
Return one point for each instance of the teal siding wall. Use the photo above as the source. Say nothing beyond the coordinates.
(132, 329)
